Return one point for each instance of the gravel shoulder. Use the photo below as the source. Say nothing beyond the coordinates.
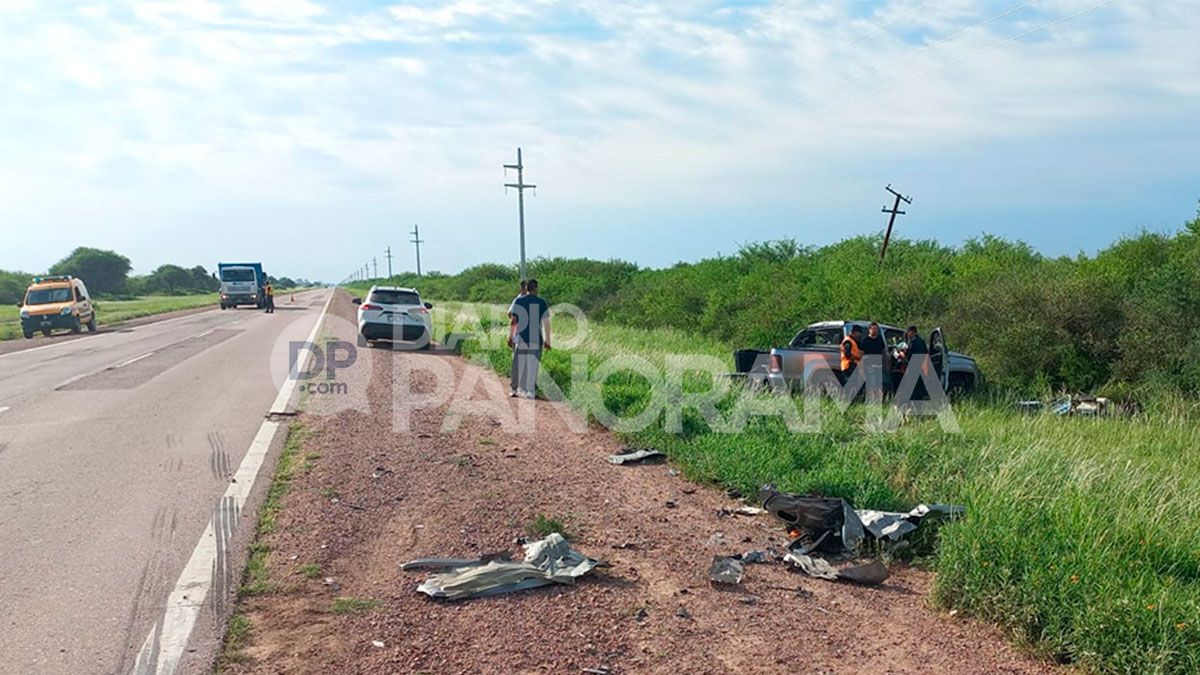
(369, 497)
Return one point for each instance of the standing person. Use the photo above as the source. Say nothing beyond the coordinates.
(851, 352)
(512, 316)
(875, 355)
(529, 333)
(269, 293)
(918, 349)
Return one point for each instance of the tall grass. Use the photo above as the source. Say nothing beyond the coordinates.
(1082, 536)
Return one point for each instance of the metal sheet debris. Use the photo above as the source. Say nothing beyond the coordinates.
(547, 561)
(634, 456)
(871, 573)
(727, 570)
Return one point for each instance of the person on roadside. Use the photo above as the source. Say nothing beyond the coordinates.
(851, 352)
(529, 334)
(916, 355)
(876, 359)
(269, 295)
(512, 309)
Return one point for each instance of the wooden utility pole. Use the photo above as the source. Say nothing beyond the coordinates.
(895, 211)
(389, 259)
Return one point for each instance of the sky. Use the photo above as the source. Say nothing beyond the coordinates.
(313, 135)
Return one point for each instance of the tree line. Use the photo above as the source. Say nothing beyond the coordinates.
(1125, 321)
(107, 275)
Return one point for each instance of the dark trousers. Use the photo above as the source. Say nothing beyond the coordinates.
(270, 304)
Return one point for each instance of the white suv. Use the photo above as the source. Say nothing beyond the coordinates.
(396, 314)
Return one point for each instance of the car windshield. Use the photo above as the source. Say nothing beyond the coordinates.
(395, 298)
(44, 296)
(237, 274)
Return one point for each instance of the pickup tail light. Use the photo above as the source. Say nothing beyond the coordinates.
(421, 310)
(367, 305)
(776, 364)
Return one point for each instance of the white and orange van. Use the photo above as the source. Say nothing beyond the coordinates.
(57, 302)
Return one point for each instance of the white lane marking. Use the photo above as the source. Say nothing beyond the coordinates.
(4, 408)
(187, 598)
(131, 361)
(164, 646)
(73, 379)
(289, 385)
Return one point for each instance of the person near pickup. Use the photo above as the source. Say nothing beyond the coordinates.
(878, 362)
(917, 352)
(529, 333)
(851, 352)
(269, 295)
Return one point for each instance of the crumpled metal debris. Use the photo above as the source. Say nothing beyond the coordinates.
(831, 527)
(893, 526)
(633, 456)
(547, 561)
(871, 574)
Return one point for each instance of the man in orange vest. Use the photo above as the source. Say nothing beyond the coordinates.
(851, 352)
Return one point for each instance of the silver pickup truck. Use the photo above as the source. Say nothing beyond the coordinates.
(819, 345)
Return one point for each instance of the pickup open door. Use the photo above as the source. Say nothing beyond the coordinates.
(939, 356)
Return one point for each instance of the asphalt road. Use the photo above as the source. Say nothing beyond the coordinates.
(115, 452)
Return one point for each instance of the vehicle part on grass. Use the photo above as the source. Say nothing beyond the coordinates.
(547, 561)
(631, 456)
(727, 569)
(869, 574)
(893, 526)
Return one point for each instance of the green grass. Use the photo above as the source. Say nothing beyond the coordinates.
(310, 571)
(353, 605)
(256, 580)
(109, 312)
(236, 636)
(543, 526)
(1082, 536)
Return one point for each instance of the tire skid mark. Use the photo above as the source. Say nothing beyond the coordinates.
(218, 457)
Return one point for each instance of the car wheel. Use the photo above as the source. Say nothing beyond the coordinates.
(28, 334)
(46, 332)
(959, 387)
(362, 341)
(91, 324)
(223, 307)
(76, 327)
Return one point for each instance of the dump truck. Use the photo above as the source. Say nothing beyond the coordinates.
(241, 284)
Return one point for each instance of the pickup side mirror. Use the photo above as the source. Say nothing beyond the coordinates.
(429, 305)
(357, 301)
(214, 275)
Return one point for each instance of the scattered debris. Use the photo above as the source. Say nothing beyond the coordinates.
(443, 563)
(740, 511)
(602, 670)
(726, 570)
(754, 557)
(631, 456)
(641, 614)
(827, 527)
(333, 584)
(683, 612)
(378, 644)
(547, 561)
(872, 573)
(672, 472)
(748, 599)
(670, 504)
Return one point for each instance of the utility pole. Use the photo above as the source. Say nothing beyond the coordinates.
(417, 240)
(389, 259)
(366, 270)
(895, 211)
(375, 265)
(520, 187)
